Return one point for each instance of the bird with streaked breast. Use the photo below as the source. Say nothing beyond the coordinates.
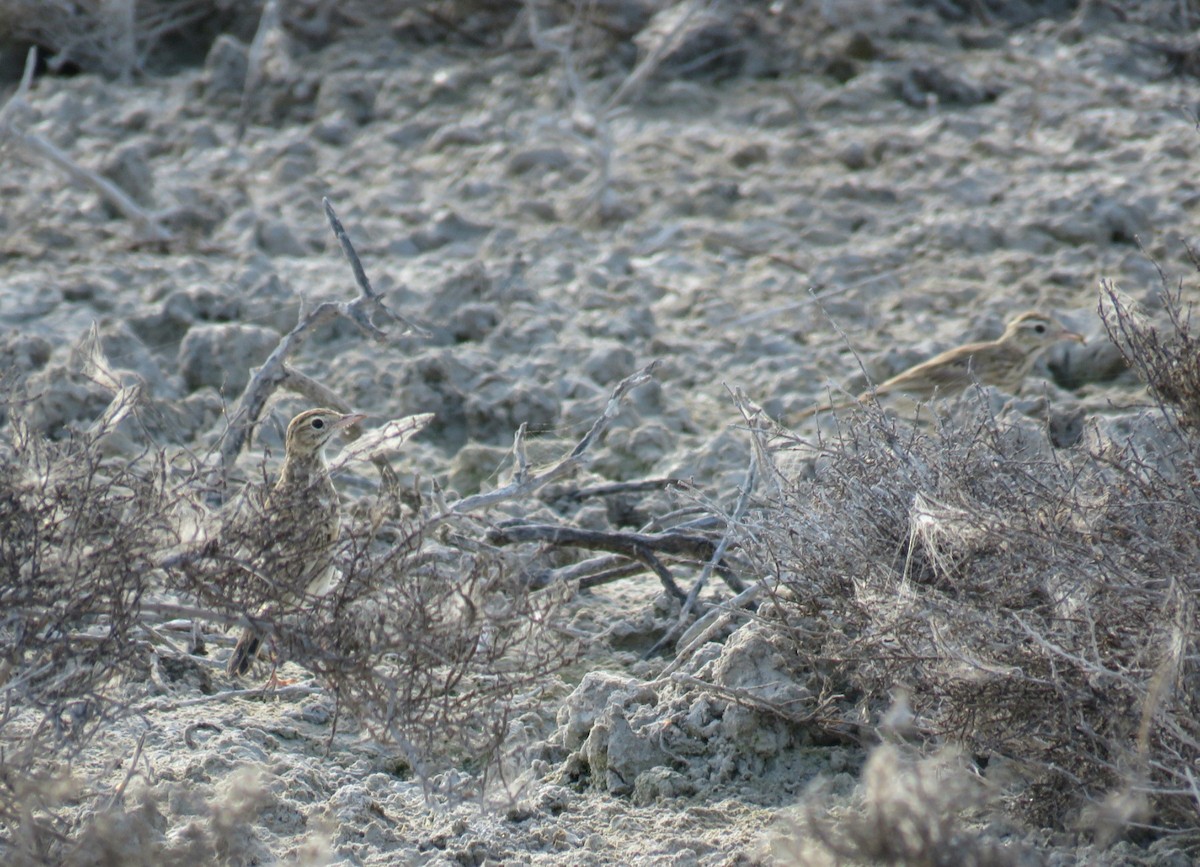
(1003, 363)
(297, 529)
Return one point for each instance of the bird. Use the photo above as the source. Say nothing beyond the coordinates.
(291, 538)
(1003, 363)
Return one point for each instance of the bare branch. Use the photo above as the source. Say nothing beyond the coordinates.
(275, 372)
(718, 554)
(521, 473)
(635, 546)
(356, 311)
(17, 101)
(267, 22)
(521, 488)
(646, 67)
(36, 144)
(632, 545)
(716, 619)
(381, 441)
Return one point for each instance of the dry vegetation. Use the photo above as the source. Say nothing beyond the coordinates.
(914, 810)
(428, 642)
(1035, 605)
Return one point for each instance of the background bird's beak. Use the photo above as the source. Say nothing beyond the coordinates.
(347, 420)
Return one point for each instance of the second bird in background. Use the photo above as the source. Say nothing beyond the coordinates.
(1003, 363)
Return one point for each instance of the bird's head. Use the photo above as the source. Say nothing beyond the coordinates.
(1033, 330)
(308, 432)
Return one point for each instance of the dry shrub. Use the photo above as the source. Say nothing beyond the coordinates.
(911, 810)
(439, 652)
(1038, 604)
(428, 645)
(426, 642)
(1166, 355)
(78, 537)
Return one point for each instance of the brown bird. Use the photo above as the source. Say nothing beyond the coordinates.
(1004, 363)
(294, 533)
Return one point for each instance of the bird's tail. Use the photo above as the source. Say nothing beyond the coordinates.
(244, 652)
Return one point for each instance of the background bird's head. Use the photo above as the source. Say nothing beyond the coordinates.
(1032, 331)
(308, 432)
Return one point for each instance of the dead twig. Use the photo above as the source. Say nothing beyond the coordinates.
(267, 23)
(616, 489)
(119, 794)
(748, 698)
(636, 546)
(714, 560)
(274, 372)
(590, 569)
(711, 623)
(521, 487)
(42, 147)
(646, 67)
(639, 548)
(229, 695)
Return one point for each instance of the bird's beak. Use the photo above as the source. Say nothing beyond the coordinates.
(350, 418)
(1068, 334)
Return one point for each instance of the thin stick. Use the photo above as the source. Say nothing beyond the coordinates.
(521, 473)
(267, 22)
(760, 424)
(718, 555)
(254, 692)
(355, 309)
(748, 698)
(632, 545)
(520, 488)
(587, 568)
(120, 792)
(710, 624)
(274, 371)
(646, 67)
(610, 489)
(35, 143)
(17, 101)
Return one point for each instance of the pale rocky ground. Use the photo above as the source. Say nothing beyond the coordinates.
(961, 174)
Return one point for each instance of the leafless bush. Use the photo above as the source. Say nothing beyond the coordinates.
(1038, 604)
(913, 811)
(429, 646)
(1167, 355)
(78, 536)
(426, 642)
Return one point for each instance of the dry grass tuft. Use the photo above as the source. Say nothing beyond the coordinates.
(78, 536)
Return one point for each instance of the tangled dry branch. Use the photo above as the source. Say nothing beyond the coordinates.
(1036, 603)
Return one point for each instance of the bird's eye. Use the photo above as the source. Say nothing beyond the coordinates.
(318, 423)
(1040, 328)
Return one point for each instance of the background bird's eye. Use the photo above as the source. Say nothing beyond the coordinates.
(318, 423)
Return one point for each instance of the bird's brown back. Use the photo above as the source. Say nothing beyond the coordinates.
(992, 363)
(1003, 363)
(302, 519)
